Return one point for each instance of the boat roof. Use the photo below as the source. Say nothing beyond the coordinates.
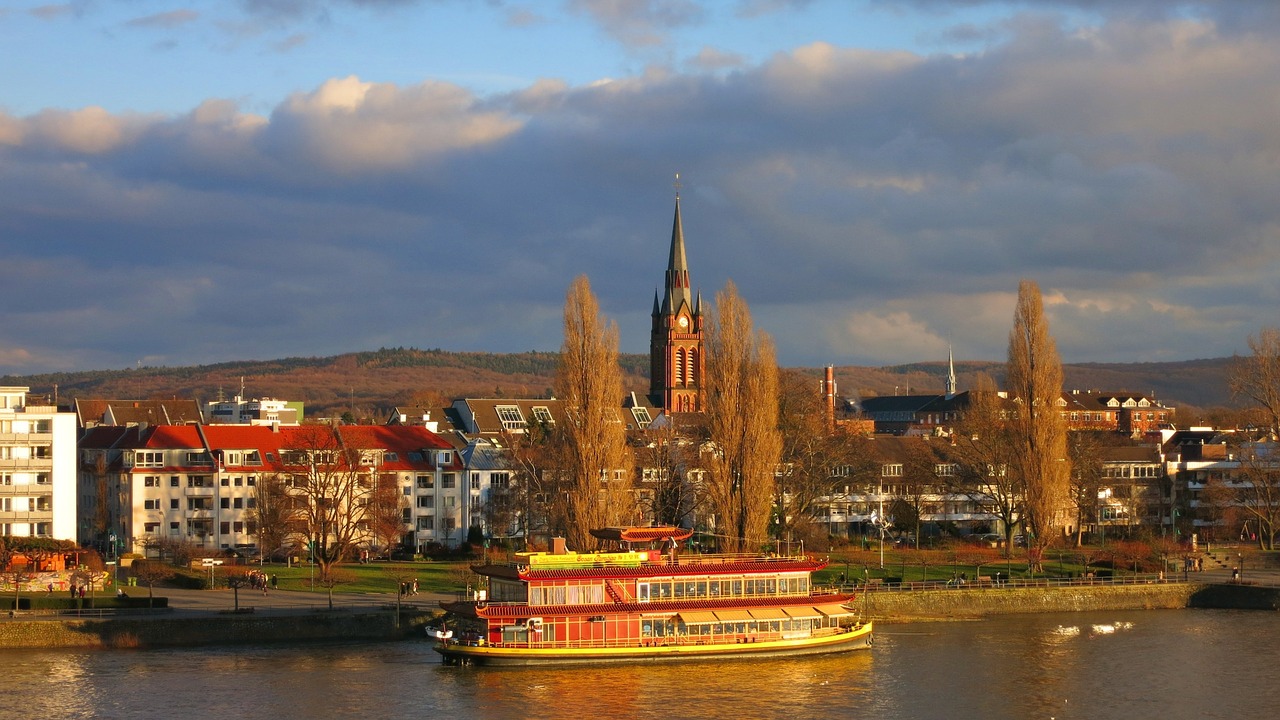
(641, 534)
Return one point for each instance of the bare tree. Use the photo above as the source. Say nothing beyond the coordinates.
(598, 466)
(1038, 432)
(742, 422)
(668, 457)
(1257, 492)
(334, 577)
(982, 454)
(274, 513)
(1256, 378)
(331, 492)
(1086, 479)
(151, 572)
(386, 513)
(815, 457)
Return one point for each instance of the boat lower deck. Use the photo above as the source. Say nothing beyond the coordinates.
(661, 649)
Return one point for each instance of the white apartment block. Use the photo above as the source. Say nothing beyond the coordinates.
(199, 483)
(37, 468)
(265, 411)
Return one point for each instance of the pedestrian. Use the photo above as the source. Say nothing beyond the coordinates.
(1235, 574)
(415, 586)
(73, 591)
(274, 581)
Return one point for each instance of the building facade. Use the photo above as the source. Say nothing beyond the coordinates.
(37, 467)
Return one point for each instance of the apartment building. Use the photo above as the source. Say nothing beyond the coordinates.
(200, 483)
(37, 467)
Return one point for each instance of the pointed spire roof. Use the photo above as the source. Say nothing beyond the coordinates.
(951, 374)
(677, 285)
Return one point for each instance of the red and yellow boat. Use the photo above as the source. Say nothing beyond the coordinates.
(648, 604)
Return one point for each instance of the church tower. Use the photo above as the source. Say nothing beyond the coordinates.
(675, 344)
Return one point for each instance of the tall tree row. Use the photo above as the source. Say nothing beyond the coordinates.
(742, 422)
(1037, 431)
(598, 466)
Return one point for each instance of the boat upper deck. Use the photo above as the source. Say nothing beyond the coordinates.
(643, 563)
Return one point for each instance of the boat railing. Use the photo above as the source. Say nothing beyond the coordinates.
(655, 641)
(666, 560)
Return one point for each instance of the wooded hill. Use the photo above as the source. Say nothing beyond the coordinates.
(371, 384)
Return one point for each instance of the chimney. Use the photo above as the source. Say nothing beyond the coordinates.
(557, 546)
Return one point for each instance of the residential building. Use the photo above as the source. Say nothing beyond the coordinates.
(37, 467)
(264, 411)
(199, 483)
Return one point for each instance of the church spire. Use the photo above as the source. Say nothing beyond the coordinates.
(951, 374)
(677, 285)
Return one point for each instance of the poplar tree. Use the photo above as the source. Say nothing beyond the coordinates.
(742, 424)
(1037, 430)
(598, 467)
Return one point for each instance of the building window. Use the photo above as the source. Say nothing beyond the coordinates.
(642, 416)
(151, 481)
(426, 501)
(893, 470)
(150, 504)
(499, 480)
(173, 481)
(542, 414)
(237, 503)
(173, 503)
(225, 503)
(426, 482)
(475, 481)
(448, 481)
(147, 458)
(510, 417)
(426, 522)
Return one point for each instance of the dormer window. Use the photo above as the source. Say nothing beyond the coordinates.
(642, 416)
(511, 418)
(542, 414)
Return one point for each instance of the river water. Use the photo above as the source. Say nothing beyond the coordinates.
(1098, 666)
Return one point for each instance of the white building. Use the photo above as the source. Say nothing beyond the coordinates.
(265, 411)
(37, 468)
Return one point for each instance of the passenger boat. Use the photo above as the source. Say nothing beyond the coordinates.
(648, 601)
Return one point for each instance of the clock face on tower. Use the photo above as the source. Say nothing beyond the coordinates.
(683, 322)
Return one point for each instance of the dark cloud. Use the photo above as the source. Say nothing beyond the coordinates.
(872, 207)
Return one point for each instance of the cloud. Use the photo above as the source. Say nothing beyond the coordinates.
(348, 125)
(639, 23)
(166, 20)
(872, 207)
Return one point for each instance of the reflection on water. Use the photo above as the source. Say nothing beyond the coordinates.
(1127, 665)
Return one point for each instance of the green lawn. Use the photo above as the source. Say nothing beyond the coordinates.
(378, 577)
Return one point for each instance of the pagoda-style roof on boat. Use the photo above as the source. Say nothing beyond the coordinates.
(642, 534)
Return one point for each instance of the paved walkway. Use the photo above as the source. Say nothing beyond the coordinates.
(282, 601)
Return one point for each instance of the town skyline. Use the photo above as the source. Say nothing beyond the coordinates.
(292, 180)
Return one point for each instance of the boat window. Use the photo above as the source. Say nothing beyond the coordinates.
(737, 588)
(702, 588)
(642, 592)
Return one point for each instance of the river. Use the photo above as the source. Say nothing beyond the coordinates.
(1097, 666)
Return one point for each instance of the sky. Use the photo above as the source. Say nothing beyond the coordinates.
(199, 182)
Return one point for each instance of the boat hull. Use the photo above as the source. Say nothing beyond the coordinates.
(855, 638)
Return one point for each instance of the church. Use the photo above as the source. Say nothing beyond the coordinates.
(675, 343)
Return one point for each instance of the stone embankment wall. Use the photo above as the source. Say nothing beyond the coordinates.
(143, 632)
(918, 605)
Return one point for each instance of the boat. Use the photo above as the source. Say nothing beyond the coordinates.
(642, 598)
